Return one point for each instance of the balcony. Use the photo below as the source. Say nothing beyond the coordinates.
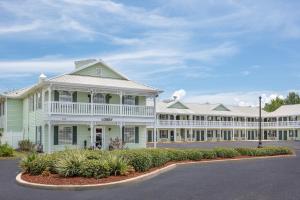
(224, 124)
(86, 109)
(2, 122)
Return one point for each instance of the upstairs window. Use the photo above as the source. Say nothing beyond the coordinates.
(65, 96)
(39, 100)
(31, 103)
(99, 98)
(129, 100)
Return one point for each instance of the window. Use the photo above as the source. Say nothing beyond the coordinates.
(2, 109)
(65, 135)
(99, 72)
(163, 117)
(129, 100)
(163, 133)
(39, 100)
(129, 134)
(99, 98)
(65, 96)
(38, 135)
(31, 103)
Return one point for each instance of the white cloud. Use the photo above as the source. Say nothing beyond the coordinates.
(179, 94)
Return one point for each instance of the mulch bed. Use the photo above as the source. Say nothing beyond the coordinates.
(55, 179)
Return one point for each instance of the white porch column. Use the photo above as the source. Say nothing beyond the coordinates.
(232, 138)
(49, 137)
(185, 135)
(92, 103)
(175, 135)
(121, 132)
(49, 100)
(155, 121)
(121, 102)
(92, 134)
(191, 134)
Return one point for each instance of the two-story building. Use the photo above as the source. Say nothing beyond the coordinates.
(87, 107)
(189, 122)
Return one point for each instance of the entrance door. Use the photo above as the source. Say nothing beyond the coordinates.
(202, 135)
(285, 135)
(265, 135)
(172, 136)
(280, 135)
(197, 135)
(99, 137)
(149, 136)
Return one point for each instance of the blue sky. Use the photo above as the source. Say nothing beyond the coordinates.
(228, 51)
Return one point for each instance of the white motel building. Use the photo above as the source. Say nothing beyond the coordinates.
(95, 104)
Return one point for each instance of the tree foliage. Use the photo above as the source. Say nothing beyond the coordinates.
(292, 98)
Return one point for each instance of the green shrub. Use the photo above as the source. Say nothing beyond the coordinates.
(159, 157)
(69, 163)
(6, 151)
(26, 162)
(177, 154)
(93, 168)
(93, 155)
(26, 145)
(266, 151)
(140, 160)
(209, 154)
(118, 164)
(194, 154)
(36, 164)
(226, 152)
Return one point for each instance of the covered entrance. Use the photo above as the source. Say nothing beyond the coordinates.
(99, 139)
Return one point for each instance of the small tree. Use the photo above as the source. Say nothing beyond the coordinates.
(274, 104)
(292, 98)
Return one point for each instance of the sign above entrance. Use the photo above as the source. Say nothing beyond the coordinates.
(107, 119)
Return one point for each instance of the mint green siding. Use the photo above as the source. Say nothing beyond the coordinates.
(105, 72)
(14, 115)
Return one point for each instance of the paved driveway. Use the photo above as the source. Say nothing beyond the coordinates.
(269, 179)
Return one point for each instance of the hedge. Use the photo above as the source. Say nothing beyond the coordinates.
(99, 164)
(6, 151)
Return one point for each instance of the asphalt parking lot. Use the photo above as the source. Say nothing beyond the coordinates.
(268, 179)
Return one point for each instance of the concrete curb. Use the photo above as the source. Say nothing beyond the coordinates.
(143, 177)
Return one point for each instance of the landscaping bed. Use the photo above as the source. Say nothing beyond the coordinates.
(83, 167)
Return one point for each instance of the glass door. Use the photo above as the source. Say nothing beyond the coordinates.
(98, 137)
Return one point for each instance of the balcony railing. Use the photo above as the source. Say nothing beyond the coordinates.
(225, 124)
(2, 121)
(70, 108)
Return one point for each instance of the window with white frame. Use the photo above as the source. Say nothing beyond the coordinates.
(129, 100)
(129, 134)
(38, 135)
(31, 103)
(99, 98)
(65, 96)
(163, 133)
(65, 135)
(39, 100)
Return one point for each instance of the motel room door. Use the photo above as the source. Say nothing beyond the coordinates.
(172, 136)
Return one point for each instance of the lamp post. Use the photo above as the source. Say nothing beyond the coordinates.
(259, 126)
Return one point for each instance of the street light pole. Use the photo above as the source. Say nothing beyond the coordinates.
(259, 126)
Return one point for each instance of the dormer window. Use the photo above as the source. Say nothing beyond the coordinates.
(99, 72)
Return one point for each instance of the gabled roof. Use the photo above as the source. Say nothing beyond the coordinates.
(93, 62)
(286, 110)
(177, 104)
(221, 107)
(77, 80)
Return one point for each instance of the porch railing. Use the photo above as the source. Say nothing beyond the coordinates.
(70, 108)
(225, 124)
